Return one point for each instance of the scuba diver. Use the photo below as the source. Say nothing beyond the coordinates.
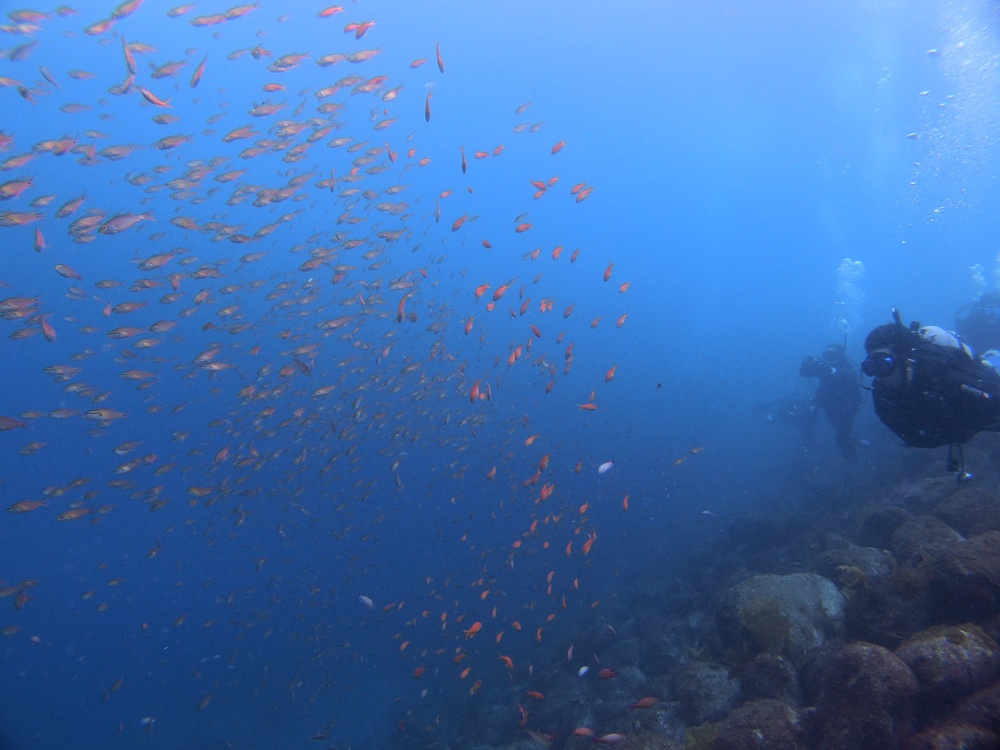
(931, 389)
(838, 392)
(978, 323)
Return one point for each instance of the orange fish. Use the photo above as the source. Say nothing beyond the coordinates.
(25, 506)
(507, 661)
(72, 514)
(196, 76)
(647, 702)
(558, 147)
(440, 62)
(150, 97)
(473, 629)
(47, 330)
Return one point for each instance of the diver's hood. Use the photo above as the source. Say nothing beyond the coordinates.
(889, 336)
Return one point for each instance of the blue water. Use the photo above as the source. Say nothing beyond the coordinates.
(738, 154)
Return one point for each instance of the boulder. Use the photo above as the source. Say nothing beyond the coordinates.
(878, 525)
(865, 699)
(784, 615)
(981, 709)
(914, 538)
(758, 724)
(771, 676)
(964, 578)
(970, 511)
(954, 737)
(950, 662)
(705, 691)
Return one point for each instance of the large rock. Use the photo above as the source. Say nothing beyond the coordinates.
(705, 691)
(865, 700)
(884, 610)
(878, 525)
(971, 511)
(950, 662)
(913, 539)
(767, 724)
(771, 676)
(964, 578)
(954, 737)
(786, 615)
(982, 708)
(853, 566)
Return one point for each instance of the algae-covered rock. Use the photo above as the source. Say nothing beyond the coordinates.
(878, 525)
(914, 537)
(844, 563)
(981, 708)
(865, 700)
(771, 676)
(970, 511)
(787, 615)
(706, 692)
(964, 578)
(769, 724)
(950, 662)
(954, 737)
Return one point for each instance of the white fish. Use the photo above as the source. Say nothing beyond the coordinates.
(582, 671)
(605, 466)
(366, 601)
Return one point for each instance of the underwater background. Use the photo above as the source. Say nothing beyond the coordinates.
(373, 370)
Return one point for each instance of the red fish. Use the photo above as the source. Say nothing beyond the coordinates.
(647, 702)
(196, 76)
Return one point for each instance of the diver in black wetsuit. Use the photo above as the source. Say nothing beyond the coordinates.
(838, 392)
(931, 389)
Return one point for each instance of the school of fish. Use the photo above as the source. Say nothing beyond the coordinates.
(282, 305)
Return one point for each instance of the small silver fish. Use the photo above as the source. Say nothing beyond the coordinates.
(605, 466)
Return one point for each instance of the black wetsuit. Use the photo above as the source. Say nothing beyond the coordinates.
(839, 394)
(938, 397)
